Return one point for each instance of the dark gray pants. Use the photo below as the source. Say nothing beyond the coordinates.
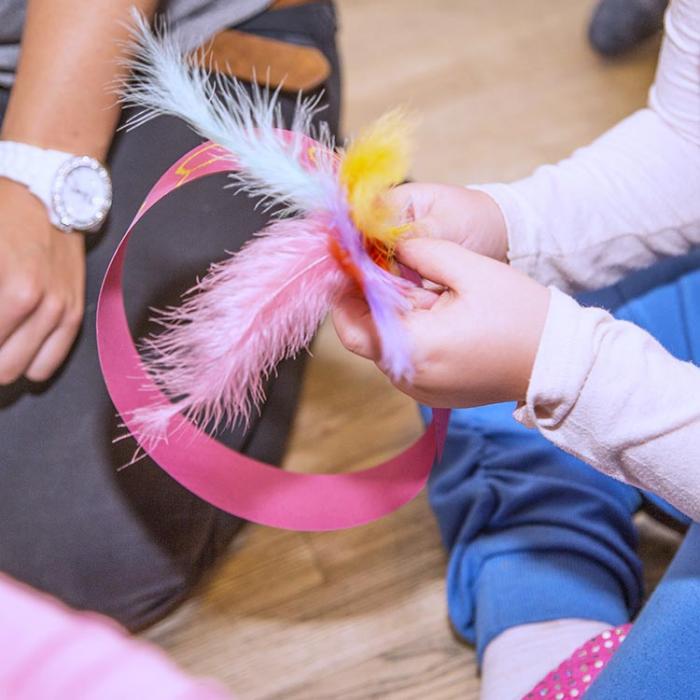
(131, 543)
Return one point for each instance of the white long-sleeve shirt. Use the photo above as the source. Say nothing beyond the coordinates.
(604, 389)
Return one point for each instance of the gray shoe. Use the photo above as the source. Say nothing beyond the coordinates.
(619, 25)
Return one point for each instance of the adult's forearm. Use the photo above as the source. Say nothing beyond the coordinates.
(71, 55)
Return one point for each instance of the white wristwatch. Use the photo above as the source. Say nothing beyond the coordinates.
(76, 190)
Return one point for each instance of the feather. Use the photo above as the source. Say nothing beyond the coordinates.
(249, 312)
(275, 166)
(265, 303)
(384, 292)
(377, 160)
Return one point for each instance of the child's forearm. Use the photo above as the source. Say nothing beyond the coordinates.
(629, 198)
(607, 392)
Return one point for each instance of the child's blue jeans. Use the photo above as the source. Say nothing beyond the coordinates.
(534, 534)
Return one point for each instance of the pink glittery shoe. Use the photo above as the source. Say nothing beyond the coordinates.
(574, 676)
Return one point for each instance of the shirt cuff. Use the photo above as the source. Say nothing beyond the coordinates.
(521, 225)
(564, 360)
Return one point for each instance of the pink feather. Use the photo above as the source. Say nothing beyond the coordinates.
(249, 313)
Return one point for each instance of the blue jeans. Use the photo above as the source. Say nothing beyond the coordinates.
(534, 534)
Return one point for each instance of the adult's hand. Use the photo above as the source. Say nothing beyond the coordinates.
(42, 286)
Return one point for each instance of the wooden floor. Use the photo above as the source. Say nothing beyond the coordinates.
(499, 87)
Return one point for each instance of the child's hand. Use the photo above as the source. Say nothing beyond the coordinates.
(473, 343)
(468, 217)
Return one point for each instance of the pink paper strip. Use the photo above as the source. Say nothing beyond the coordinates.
(227, 479)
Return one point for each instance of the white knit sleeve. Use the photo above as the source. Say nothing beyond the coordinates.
(628, 199)
(609, 393)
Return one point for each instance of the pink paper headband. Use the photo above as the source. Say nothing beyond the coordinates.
(265, 302)
(229, 480)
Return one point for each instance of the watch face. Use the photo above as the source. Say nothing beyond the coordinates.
(82, 194)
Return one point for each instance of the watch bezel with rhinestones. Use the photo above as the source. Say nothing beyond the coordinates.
(62, 214)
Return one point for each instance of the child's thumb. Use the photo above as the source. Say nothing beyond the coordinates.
(411, 203)
(400, 201)
(440, 261)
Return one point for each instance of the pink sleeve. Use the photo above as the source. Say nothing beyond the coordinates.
(607, 392)
(628, 199)
(53, 653)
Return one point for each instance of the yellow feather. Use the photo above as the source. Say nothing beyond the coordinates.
(373, 163)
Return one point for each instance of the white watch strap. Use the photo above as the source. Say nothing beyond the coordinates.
(34, 167)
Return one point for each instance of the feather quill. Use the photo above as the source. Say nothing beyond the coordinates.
(249, 312)
(385, 294)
